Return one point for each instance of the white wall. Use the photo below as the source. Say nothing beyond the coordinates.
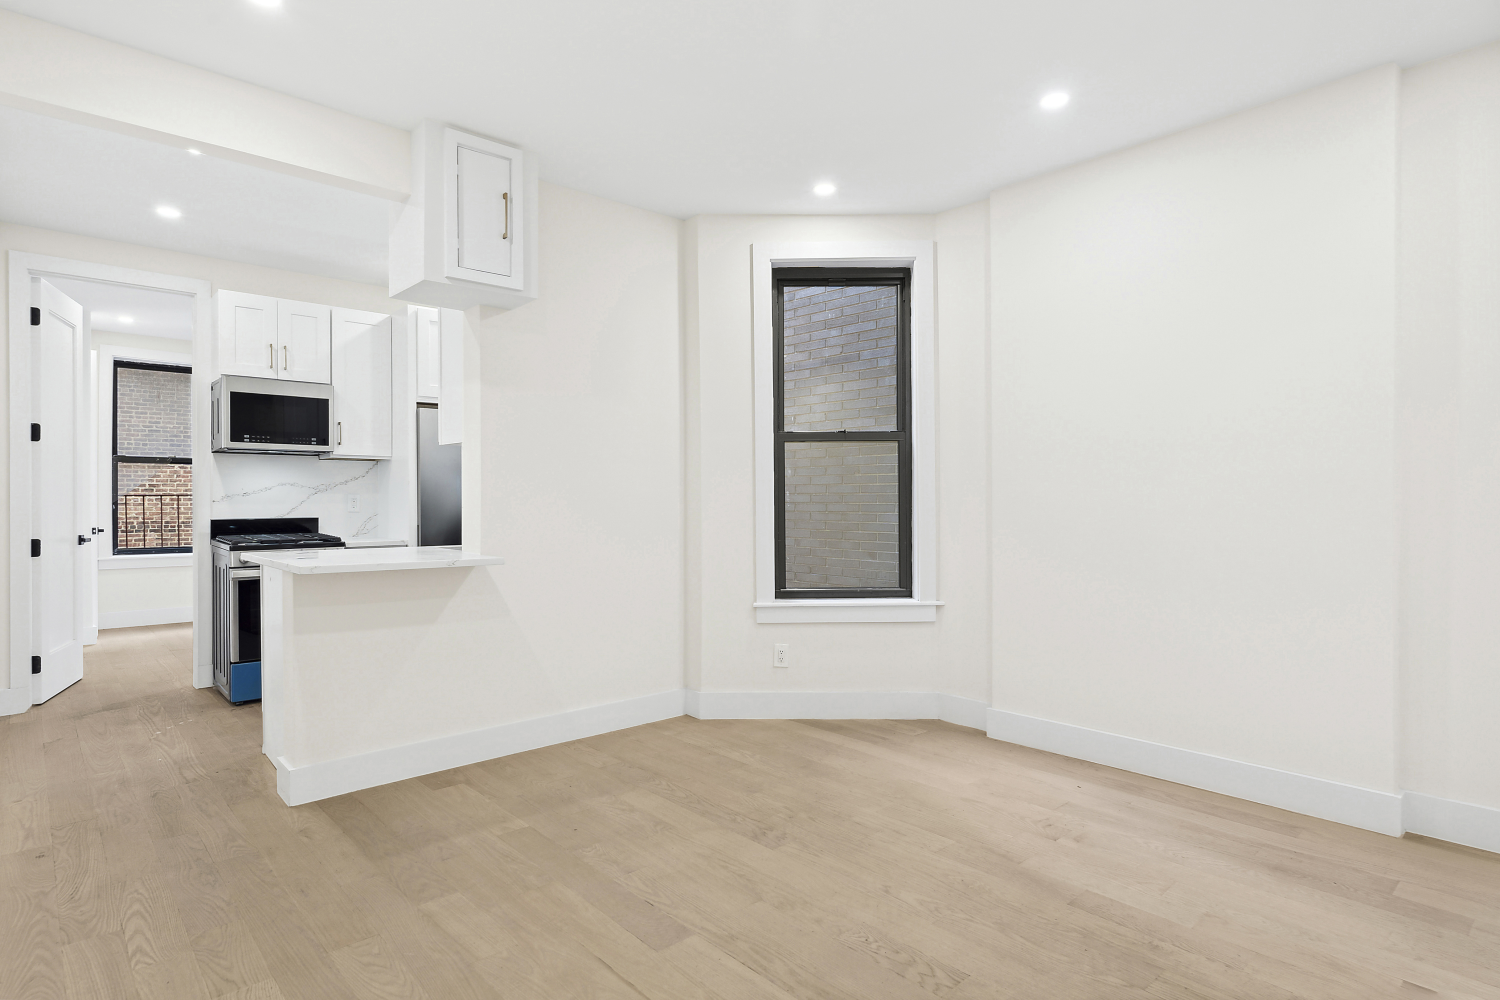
(1194, 509)
(1449, 418)
(581, 413)
(728, 651)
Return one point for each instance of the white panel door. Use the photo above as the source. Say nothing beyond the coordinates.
(60, 516)
(429, 356)
(485, 211)
(305, 345)
(361, 384)
(247, 335)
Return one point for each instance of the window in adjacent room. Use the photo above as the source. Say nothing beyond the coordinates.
(843, 432)
(153, 464)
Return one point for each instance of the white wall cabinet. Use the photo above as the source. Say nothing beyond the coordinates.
(247, 335)
(429, 355)
(306, 346)
(362, 385)
(264, 337)
(467, 236)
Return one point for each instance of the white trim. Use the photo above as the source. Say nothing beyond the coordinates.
(155, 560)
(325, 779)
(14, 701)
(807, 612)
(836, 705)
(918, 255)
(1352, 805)
(1453, 821)
(22, 267)
(150, 616)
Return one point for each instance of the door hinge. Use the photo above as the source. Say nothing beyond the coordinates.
(36, 316)
(36, 664)
(36, 547)
(36, 432)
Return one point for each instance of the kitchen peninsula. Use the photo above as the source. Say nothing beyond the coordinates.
(377, 665)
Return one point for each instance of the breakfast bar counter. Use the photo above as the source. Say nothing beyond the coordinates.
(381, 664)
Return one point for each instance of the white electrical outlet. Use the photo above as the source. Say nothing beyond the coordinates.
(778, 658)
(353, 501)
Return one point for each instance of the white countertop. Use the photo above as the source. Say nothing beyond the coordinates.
(373, 543)
(369, 560)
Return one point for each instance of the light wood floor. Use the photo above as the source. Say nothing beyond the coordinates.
(144, 853)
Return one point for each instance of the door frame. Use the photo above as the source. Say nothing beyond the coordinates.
(16, 696)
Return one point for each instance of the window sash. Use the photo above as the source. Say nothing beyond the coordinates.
(899, 278)
(118, 459)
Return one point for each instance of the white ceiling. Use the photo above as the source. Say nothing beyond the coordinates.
(687, 106)
(125, 309)
(77, 179)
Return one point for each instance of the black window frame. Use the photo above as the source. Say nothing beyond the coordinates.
(116, 458)
(801, 277)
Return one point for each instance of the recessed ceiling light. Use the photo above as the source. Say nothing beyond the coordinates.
(824, 189)
(168, 212)
(1055, 100)
(195, 152)
(266, 3)
(127, 320)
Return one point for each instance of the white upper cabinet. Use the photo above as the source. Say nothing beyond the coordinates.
(483, 190)
(247, 335)
(306, 345)
(429, 355)
(362, 384)
(467, 236)
(273, 338)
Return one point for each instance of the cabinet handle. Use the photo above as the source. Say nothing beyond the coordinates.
(340, 426)
(505, 199)
(283, 357)
(272, 363)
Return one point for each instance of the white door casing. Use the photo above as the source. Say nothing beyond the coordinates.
(60, 515)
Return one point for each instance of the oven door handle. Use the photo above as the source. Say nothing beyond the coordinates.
(244, 574)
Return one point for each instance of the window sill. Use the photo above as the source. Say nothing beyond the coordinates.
(851, 610)
(155, 560)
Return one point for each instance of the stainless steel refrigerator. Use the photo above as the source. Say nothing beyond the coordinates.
(439, 484)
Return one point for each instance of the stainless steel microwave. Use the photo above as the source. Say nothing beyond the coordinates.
(267, 416)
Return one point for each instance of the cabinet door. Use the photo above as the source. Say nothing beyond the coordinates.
(486, 211)
(429, 356)
(304, 342)
(361, 384)
(247, 335)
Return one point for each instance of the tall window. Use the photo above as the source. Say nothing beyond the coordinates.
(153, 464)
(843, 432)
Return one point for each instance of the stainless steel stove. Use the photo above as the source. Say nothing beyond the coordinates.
(237, 592)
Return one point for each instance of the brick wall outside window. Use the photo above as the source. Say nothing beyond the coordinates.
(153, 501)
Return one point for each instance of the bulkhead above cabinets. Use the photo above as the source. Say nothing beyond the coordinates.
(467, 236)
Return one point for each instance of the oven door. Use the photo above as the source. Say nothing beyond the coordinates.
(244, 615)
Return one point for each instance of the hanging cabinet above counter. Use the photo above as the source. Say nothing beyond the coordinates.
(467, 236)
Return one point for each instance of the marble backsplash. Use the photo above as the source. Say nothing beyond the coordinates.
(301, 486)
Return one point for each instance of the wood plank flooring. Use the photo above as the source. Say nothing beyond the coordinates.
(144, 854)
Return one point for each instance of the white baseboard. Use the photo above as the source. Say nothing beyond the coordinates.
(1455, 822)
(311, 782)
(14, 701)
(1366, 808)
(150, 616)
(836, 705)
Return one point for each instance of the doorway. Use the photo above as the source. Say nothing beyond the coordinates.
(65, 375)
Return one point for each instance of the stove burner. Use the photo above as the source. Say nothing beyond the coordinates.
(288, 540)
